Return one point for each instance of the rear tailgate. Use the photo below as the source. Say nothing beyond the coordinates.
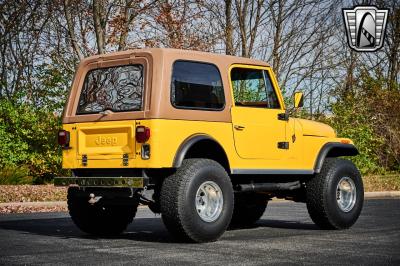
(106, 140)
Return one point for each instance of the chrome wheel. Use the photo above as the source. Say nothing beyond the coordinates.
(209, 201)
(346, 194)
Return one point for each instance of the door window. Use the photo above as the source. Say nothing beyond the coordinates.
(253, 88)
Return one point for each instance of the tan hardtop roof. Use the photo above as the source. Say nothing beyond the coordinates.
(158, 67)
(177, 53)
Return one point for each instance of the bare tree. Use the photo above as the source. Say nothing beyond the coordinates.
(100, 15)
(302, 39)
(228, 28)
(110, 23)
(249, 15)
(71, 29)
(21, 25)
(393, 43)
(179, 24)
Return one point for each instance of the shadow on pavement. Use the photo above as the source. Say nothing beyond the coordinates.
(279, 224)
(142, 229)
(286, 224)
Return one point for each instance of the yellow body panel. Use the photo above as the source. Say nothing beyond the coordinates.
(168, 135)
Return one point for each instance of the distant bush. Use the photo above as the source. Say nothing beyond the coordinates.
(28, 144)
(349, 122)
(370, 116)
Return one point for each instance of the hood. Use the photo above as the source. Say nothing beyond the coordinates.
(316, 129)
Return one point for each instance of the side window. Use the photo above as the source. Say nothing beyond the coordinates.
(253, 88)
(196, 85)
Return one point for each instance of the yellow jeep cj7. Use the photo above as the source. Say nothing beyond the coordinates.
(203, 139)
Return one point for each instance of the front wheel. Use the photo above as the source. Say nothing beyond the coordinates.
(197, 201)
(335, 196)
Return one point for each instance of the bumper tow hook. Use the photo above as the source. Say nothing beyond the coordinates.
(94, 199)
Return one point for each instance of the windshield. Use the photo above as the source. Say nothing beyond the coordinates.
(118, 89)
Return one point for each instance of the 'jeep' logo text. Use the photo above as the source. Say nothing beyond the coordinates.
(102, 141)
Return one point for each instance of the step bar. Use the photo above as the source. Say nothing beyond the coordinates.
(127, 182)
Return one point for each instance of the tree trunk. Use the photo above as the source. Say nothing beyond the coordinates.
(98, 18)
(277, 20)
(242, 14)
(228, 28)
(71, 30)
(394, 47)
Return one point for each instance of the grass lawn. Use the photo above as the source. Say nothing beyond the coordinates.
(382, 182)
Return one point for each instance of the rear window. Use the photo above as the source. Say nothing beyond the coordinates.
(119, 89)
(196, 85)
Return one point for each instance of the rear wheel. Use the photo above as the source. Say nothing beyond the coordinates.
(99, 219)
(249, 207)
(335, 196)
(197, 201)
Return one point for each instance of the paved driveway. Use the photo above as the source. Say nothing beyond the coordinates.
(285, 235)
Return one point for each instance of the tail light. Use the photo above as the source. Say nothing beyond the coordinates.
(63, 138)
(142, 134)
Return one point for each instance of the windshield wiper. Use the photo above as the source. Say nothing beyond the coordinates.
(106, 112)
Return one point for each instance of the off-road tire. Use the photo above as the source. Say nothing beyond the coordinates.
(249, 207)
(97, 219)
(178, 206)
(321, 197)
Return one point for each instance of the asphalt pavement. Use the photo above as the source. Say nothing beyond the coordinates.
(285, 235)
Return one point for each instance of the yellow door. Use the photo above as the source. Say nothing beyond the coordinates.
(258, 132)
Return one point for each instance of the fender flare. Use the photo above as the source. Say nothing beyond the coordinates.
(187, 144)
(337, 149)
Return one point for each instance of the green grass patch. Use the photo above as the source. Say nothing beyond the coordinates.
(10, 175)
(389, 182)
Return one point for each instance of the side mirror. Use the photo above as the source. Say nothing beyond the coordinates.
(298, 102)
(298, 99)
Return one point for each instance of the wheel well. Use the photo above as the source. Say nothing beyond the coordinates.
(207, 148)
(334, 150)
(339, 151)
